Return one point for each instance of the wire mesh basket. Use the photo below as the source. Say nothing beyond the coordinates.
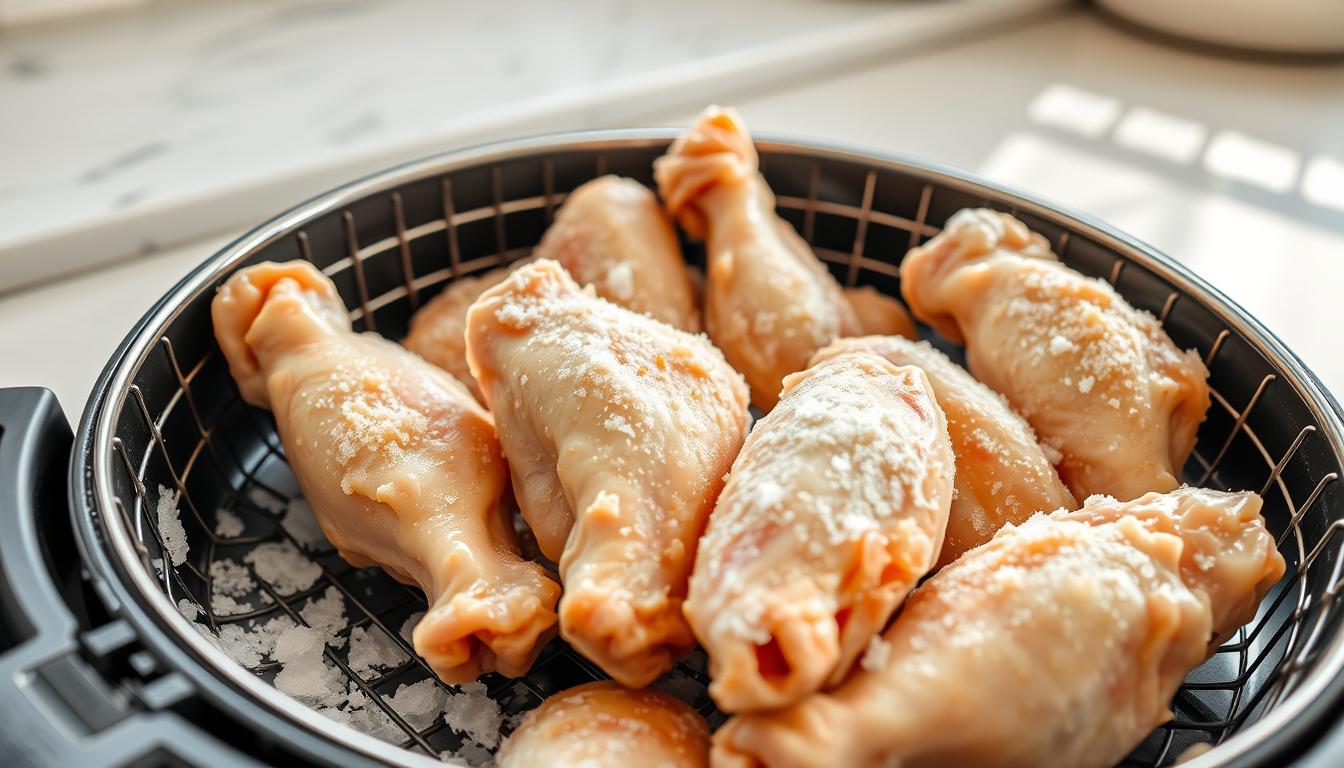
(167, 419)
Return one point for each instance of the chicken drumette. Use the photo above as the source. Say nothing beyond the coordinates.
(438, 330)
(401, 466)
(1098, 380)
(833, 511)
(1003, 476)
(601, 725)
(769, 303)
(1060, 642)
(880, 314)
(618, 430)
(612, 234)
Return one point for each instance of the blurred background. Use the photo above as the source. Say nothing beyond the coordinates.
(139, 136)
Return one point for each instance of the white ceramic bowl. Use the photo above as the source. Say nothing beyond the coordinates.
(1288, 26)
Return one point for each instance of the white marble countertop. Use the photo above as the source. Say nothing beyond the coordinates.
(149, 127)
(1144, 135)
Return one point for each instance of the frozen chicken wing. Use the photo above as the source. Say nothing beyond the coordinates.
(769, 303)
(1059, 642)
(880, 314)
(601, 725)
(401, 466)
(611, 233)
(1098, 380)
(832, 512)
(618, 430)
(438, 329)
(1003, 476)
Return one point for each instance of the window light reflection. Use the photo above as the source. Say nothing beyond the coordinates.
(1239, 157)
(1074, 109)
(1160, 134)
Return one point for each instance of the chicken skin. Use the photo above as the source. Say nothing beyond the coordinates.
(438, 329)
(769, 303)
(1059, 642)
(601, 725)
(618, 430)
(833, 511)
(1002, 474)
(401, 466)
(611, 233)
(1099, 381)
(879, 314)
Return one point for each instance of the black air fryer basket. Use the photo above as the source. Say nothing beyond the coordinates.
(100, 667)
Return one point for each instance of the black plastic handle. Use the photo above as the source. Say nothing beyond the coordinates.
(58, 707)
(36, 628)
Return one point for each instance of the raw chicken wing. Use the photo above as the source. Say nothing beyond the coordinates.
(770, 304)
(438, 329)
(1060, 642)
(401, 466)
(1099, 381)
(1002, 474)
(601, 725)
(879, 314)
(618, 430)
(834, 509)
(612, 234)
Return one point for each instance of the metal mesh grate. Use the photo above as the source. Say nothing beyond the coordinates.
(183, 425)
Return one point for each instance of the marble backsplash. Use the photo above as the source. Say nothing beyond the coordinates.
(125, 131)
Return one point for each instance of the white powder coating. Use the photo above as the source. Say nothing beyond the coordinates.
(620, 283)
(1002, 473)
(797, 536)
(301, 523)
(374, 418)
(1061, 347)
(188, 609)
(227, 524)
(305, 673)
(618, 423)
(419, 704)
(359, 712)
(371, 651)
(170, 527)
(248, 647)
(229, 577)
(283, 567)
(264, 500)
(327, 615)
(876, 655)
(471, 754)
(223, 605)
(408, 626)
(473, 713)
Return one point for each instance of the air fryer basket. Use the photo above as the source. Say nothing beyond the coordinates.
(166, 414)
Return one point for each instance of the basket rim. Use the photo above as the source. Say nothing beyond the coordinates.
(109, 548)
